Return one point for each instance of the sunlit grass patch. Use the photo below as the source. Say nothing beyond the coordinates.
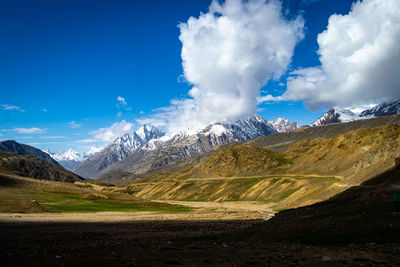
(116, 205)
(77, 202)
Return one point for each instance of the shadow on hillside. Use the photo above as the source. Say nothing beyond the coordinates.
(368, 213)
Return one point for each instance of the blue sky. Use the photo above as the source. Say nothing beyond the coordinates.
(64, 63)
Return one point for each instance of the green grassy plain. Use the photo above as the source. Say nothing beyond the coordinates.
(31, 195)
(67, 202)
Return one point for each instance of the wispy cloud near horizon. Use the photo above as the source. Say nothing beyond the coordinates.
(53, 137)
(74, 124)
(33, 130)
(12, 107)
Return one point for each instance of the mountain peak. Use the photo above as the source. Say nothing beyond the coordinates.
(148, 132)
(339, 114)
(284, 125)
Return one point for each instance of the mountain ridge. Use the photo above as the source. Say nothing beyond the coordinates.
(32, 167)
(119, 149)
(338, 114)
(22, 149)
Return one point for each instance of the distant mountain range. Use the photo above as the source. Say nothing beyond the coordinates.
(149, 148)
(121, 148)
(337, 114)
(70, 158)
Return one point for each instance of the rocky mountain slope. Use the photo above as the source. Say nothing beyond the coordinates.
(385, 109)
(283, 125)
(121, 148)
(12, 163)
(22, 149)
(164, 151)
(337, 114)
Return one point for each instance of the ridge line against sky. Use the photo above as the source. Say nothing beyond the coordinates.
(85, 81)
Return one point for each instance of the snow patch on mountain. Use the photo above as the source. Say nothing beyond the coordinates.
(338, 114)
(214, 134)
(284, 125)
(68, 155)
(93, 150)
(69, 159)
(217, 130)
(118, 150)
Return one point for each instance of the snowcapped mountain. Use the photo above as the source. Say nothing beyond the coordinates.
(248, 128)
(125, 145)
(119, 149)
(168, 149)
(149, 132)
(283, 125)
(385, 109)
(93, 150)
(216, 134)
(69, 159)
(337, 114)
(68, 155)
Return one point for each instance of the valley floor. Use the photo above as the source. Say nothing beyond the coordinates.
(240, 210)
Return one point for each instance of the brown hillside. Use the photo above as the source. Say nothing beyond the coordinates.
(362, 153)
(356, 155)
(244, 160)
(311, 170)
(27, 166)
(282, 141)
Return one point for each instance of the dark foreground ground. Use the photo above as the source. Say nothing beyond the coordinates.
(175, 243)
(307, 236)
(359, 227)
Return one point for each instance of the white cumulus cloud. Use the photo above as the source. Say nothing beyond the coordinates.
(228, 54)
(109, 134)
(360, 59)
